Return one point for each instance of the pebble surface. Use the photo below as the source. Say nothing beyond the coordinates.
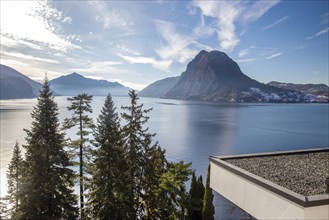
(303, 173)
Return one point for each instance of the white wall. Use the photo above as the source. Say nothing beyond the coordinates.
(317, 212)
(258, 201)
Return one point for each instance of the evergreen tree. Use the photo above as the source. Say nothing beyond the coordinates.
(4, 212)
(172, 197)
(14, 178)
(208, 207)
(196, 195)
(80, 105)
(108, 188)
(153, 170)
(134, 135)
(146, 161)
(47, 181)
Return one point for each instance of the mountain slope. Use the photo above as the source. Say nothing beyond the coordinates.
(12, 87)
(159, 88)
(74, 84)
(213, 76)
(216, 77)
(313, 89)
(15, 85)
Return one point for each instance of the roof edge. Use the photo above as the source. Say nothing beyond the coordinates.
(304, 201)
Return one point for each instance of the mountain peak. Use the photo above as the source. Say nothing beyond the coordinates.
(201, 53)
(75, 83)
(75, 75)
(211, 76)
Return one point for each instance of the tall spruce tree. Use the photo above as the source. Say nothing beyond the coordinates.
(196, 195)
(208, 210)
(47, 180)
(110, 181)
(80, 105)
(146, 160)
(154, 167)
(14, 179)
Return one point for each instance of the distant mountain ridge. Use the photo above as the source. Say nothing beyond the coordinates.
(312, 89)
(214, 76)
(73, 84)
(15, 85)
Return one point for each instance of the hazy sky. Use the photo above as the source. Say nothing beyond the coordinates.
(138, 42)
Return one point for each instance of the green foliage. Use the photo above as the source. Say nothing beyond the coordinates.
(80, 105)
(47, 181)
(157, 188)
(208, 207)
(4, 212)
(154, 167)
(128, 174)
(137, 143)
(196, 195)
(172, 196)
(110, 181)
(14, 179)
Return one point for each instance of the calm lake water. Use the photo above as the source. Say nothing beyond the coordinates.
(192, 131)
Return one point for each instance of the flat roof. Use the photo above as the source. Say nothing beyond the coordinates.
(302, 172)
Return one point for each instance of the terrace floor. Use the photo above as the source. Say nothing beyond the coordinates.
(300, 172)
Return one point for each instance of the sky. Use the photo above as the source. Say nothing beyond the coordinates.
(138, 42)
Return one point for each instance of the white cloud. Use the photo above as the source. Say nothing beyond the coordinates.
(324, 31)
(246, 60)
(14, 42)
(133, 85)
(245, 52)
(34, 21)
(257, 10)
(254, 53)
(47, 11)
(177, 46)
(200, 46)
(27, 57)
(274, 55)
(162, 65)
(203, 30)
(109, 16)
(11, 62)
(228, 13)
(34, 72)
(99, 67)
(95, 77)
(128, 50)
(276, 23)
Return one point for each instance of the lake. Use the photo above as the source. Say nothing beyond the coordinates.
(194, 130)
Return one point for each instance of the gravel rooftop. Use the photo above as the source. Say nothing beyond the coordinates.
(303, 173)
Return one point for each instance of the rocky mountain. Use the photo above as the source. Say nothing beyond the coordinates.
(159, 88)
(214, 76)
(75, 83)
(15, 85)
(319, 90)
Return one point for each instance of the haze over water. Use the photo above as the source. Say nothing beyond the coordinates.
(193, 130)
